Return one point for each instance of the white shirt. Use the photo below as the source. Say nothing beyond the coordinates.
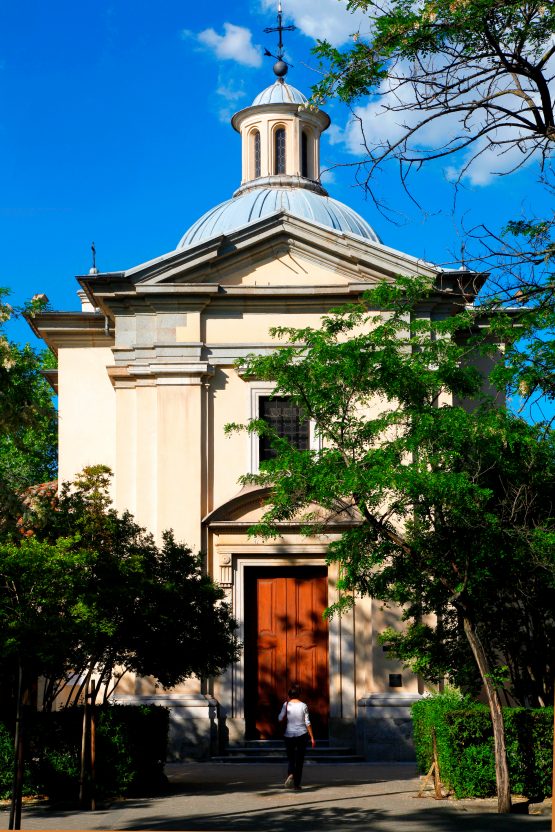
(297, 718)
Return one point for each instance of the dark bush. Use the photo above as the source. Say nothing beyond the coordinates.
(6, 761)
(130, 751)
(465, 745)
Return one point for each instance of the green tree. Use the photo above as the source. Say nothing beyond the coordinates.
(28, 419)
(454, 504)
(481, 70)
(86, 590)
(464, 79)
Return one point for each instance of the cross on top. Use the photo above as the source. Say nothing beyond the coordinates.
(281, 29)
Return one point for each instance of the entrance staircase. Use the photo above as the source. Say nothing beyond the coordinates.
(273, 751)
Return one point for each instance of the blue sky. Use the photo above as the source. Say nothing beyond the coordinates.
(98, 142)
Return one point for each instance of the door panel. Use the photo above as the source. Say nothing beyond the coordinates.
(270, 644)
(286, 641)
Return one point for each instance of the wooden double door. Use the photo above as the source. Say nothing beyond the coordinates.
(286, 642)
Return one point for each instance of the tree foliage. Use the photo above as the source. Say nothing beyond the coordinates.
(454, 502)
(84, 589)
(472, 75)
(28, 419)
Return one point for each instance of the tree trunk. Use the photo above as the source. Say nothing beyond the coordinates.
(84, 738)
(494, 702)
(553, 782)
(94, 689)
(19, 760)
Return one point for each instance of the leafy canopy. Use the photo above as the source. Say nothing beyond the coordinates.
(83, 587)
(480, 70)
(28, 419)
(450, 496)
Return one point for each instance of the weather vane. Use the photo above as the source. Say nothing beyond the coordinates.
(280, 68)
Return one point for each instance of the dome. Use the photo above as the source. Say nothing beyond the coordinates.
(279, 93)
(263, 202)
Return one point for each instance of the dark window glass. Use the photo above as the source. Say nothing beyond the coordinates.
(304, 155)
(280, 150)
(256, 154)
(285, 418)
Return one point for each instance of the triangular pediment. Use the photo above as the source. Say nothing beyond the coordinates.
(282, 239)
(282, 253)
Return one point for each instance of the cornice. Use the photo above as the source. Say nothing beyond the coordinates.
(293, 108)
(159, 374)
(52, 378)
(202, 263)
(72, 329)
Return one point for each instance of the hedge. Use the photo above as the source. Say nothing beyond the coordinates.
(465, 745)
(131, 743)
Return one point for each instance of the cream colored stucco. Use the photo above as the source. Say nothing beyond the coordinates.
(86, 410)
(148, 381)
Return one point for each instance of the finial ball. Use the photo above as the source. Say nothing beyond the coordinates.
(280, 69)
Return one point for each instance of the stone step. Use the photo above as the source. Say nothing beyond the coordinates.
(279, 751)
(311, 759)
(265, 744)
(273, 751)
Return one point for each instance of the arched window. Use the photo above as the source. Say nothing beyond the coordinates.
(256, 153)
(304, 154)
(279, 150)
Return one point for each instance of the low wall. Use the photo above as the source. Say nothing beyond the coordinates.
(384, 727)
(193, 722)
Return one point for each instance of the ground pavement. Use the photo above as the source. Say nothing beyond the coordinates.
(209, 797)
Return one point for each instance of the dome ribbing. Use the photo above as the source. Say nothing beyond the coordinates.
(263, 202)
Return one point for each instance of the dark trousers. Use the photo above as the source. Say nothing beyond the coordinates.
(296, 747)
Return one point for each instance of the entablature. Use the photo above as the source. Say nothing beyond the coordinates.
(72, 329)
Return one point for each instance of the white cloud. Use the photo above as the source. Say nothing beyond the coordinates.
(230, 92)
(479, 164)
(488, 163)
(320, 19)
(234, 45)
(327, 177)
(335, 134)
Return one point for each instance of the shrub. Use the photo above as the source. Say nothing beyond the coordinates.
(130, 751)
(6, 761)
(465, 745)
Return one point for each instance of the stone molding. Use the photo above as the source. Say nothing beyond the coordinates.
(158, 374)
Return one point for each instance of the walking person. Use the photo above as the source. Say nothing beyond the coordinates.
(297, 732)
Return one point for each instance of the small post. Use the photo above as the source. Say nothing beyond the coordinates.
(84, 734)
(437, 781)
(553, 781)
(93, 745)
(433, 772)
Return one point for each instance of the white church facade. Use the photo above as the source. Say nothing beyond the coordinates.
(147, 381)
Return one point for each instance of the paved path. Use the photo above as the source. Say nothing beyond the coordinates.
(208, 797)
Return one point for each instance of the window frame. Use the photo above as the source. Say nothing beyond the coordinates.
(305, 155)
(256, 151)
(258, 391)
(275, 167)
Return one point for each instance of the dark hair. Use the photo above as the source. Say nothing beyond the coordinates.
(294, 692)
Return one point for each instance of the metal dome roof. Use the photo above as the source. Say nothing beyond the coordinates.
(280, 93)
(262, 202)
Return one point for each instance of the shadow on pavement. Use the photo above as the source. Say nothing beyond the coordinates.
(315, 817)
(318, 814)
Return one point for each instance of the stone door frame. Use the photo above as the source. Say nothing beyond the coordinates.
(341, 652)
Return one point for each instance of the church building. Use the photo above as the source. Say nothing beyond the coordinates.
(147, 381)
